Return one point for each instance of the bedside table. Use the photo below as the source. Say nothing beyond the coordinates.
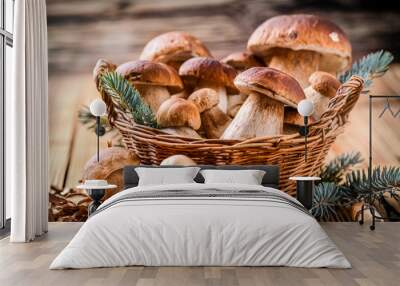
(96, 190)
(305, 190)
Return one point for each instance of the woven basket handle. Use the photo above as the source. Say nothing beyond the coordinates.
(340, 106)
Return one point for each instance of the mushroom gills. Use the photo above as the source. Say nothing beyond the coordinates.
(259, 116)
(220, 90)
(299, 64)
(153, 95)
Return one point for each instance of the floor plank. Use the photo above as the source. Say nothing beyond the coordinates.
(374, 255)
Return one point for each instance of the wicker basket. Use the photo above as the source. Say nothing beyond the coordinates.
(152, 145)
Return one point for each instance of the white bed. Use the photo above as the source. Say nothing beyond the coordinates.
(268, 229)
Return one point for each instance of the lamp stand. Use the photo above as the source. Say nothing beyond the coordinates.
(98, 136)
(305, 136)
(304, 132)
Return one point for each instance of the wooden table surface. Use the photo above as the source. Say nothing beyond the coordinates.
(80, 32)
(374, 255)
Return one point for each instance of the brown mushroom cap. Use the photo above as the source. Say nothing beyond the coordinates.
(174, 46)
(208, 69)
(178, 160)
(324, 83)
(301, 32)
(242, 61)
(178, 112)
(102, 66)
(265, 80)
(111, 162)
(146, 72)
(204, 98)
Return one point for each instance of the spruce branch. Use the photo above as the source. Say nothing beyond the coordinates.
(128, 98)
(341, 186)
(335, 170)
(383, 180)
(369, 67)
(327, 200)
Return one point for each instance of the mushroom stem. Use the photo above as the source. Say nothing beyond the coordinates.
(258, 116)
(320, 102)
(214, 122)
(235, 102)
(153, 95)
(299, 64)
(220, 90)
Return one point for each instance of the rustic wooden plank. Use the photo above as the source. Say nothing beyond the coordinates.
(63, 102)
(121, 41)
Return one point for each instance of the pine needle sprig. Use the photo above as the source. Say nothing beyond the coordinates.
(128, 98)
(383, 180)
(369, 67)
(335, 170)
(327, 200)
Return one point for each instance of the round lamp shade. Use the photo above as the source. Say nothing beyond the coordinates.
(98, 107)
(305, 107)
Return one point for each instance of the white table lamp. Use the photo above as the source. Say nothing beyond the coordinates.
(305, 108)
(98, 108)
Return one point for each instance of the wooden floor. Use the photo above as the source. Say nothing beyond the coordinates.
(375, 257)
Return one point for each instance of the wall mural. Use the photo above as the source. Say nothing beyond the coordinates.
(218, 82)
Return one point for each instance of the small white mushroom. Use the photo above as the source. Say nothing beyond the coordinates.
(262, 113)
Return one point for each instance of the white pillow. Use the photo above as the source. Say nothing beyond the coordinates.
(248, 177)
(166, 176)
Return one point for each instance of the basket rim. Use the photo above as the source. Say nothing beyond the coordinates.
(322, 127)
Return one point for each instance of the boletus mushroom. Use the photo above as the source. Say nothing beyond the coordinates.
(180, 117)
(240, 61)
(174, 48)
(323, 87)
(111, 162)
(300, 45)
(207, 72)
(178, 160)
(154, 81)
(213, 120)
(262, 113)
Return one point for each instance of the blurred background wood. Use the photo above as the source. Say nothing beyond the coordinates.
(80, 32)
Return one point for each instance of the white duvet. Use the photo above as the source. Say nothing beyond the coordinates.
(200, 231)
